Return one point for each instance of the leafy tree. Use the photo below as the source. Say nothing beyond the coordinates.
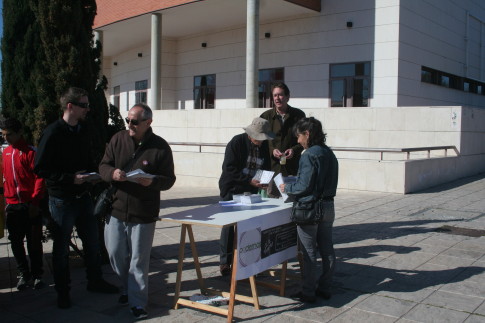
(48, 46)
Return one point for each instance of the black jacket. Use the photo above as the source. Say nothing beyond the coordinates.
(61, 153)
(232, 179)
(133, 202)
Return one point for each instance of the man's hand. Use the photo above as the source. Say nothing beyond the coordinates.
(282, 187)
(79, 178)
(289, 153)
(144, 181)
(277, 153)
(119, 175)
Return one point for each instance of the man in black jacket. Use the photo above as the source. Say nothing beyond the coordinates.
(245, 154)
(64, 160)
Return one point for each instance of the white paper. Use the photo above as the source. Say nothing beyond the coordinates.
(138, 173)
(91, 176)
(278, 180)
(263, 176)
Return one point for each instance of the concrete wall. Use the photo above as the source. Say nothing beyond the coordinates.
(462, 127)
(444, 35)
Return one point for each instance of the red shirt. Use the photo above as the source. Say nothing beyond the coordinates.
(20, 183)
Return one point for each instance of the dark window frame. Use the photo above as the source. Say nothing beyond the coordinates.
(141, 91)
(204, 94)
(348, 83)
(276, 75)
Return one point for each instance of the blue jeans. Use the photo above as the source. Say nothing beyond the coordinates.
(313, 238)
(67, 213)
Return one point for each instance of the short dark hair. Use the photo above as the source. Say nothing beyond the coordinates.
(72, 94)
(147, 112)
(314, 128)
(11, 124)
(281, 85)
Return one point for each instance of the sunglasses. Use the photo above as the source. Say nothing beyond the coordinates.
(133, 121)
(81, 104)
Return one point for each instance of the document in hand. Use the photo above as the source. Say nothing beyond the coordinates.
(263, 176)
(137, 173)
(91, 176)
(279, 179)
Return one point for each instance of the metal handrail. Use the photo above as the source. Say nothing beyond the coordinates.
(354, 149)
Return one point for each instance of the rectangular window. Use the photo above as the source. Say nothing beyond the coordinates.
(205, 91)
(267, 77)
(350, 84)
(116, 96)
(141, 91)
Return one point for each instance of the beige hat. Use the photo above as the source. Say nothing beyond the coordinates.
(260, 129)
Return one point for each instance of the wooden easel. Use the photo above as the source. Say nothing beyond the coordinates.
(229, 312)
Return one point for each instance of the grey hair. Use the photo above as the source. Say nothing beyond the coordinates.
(147, 112)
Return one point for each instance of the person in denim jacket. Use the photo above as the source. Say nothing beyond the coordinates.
(316, 180)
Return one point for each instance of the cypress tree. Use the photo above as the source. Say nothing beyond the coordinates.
(48, 46)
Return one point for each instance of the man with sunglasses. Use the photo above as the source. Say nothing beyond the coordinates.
(63, 159)
(130, 229)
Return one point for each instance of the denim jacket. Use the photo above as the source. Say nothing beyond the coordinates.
(317, 175)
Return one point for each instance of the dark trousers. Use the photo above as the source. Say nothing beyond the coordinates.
(66, 214)
(20, 227)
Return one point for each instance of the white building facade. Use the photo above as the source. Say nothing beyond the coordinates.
(371, 70)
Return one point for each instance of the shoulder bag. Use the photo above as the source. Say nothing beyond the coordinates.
(307, 212)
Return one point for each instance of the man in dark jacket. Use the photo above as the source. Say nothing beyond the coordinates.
(23, 192)
(245, 154)
(129, 231)
(284, 149)
(63, 159)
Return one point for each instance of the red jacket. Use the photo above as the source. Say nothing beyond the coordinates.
(20, 183)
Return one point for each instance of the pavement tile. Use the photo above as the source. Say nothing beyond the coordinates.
(432, 314)
(385, 305)
(357, 315)
(466, 287)
(475, 319)
(454, 301)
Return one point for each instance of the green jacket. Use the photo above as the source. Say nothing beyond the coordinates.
(285, 139)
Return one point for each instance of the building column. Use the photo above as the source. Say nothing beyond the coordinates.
(156, 62)
(98, 36)
(252, 53)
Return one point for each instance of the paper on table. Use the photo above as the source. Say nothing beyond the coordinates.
(138, 173)
(263, 176)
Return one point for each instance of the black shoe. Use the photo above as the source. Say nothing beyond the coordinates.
(23, 282)
(38, 283)
(225, 269)
(324, 295)
(123, 300)
(139, 313)
(303, 298)
(101, 286)
(63, 300)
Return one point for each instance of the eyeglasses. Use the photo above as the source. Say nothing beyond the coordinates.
(133, 121)
(81, 104)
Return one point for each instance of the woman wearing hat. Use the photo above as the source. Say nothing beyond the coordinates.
(245, 154)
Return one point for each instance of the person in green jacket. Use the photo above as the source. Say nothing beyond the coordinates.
(284, 150)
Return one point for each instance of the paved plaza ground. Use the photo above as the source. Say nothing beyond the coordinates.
(400, 258)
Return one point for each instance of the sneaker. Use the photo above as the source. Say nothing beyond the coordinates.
(101, 286)
(63, 300)
(23, 282)
(225, 269)
(303, 298)
(39, 283)
(139, 313)
(123, 300)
